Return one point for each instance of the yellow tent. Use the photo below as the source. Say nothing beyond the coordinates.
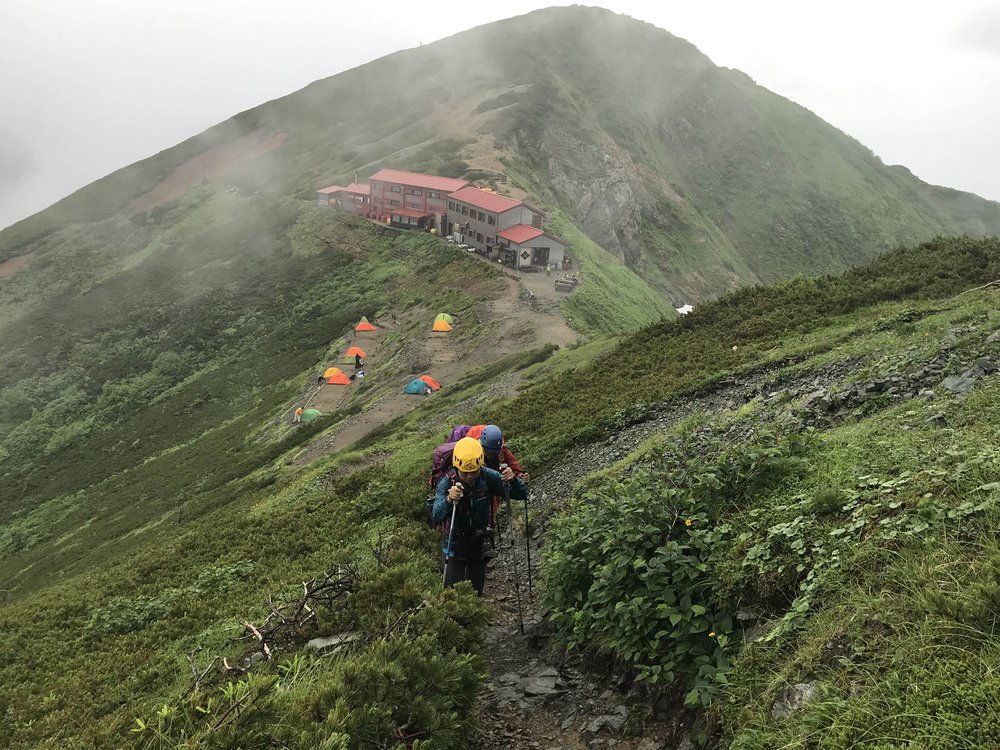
(331, 371)
(441, 325)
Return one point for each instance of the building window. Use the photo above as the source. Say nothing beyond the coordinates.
(374, 186)
(451, 206)
(396, 188)
(536, 220)
(416, 192)
(415, 206)
(491, 220)
(432, 194)
(482, 216)
(465, 211)
(393, 203)
(489, 241)
(479, 237)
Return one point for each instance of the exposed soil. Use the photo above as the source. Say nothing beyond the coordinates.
(15, 264)
(521, 322)
(212, 164)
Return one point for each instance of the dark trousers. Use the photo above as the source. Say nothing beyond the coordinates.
(474, 571)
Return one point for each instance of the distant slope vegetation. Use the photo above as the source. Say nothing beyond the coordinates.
(698, 179)
(113, 580)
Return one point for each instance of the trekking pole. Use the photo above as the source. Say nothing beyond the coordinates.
(513, 556)
(527, 548)
(451, 531)
(527, 538)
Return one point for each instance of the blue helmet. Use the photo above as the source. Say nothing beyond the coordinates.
(491, 439)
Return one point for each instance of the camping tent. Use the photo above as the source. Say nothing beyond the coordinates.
(350, 354)
(449, 319)
(364, 325)
(417, 387)
(338, 378)
(441, 326)
(435, 386)
(309, 415)
(331, 371)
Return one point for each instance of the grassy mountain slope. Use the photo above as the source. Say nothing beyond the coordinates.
(697, 178)
(116, 625)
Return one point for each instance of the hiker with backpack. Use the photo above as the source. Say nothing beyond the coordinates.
(465, 495)
(495, 447)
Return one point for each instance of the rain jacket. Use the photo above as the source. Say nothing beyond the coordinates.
(473, 512)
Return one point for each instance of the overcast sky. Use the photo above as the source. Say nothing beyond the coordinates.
(88, 86)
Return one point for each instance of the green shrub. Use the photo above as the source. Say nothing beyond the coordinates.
(630, 569)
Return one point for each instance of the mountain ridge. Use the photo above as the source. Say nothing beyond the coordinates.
(700, 183)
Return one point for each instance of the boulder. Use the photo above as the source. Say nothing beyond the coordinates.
(794, 698)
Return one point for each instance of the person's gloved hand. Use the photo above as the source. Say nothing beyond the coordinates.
(455, 492)
(506, 473)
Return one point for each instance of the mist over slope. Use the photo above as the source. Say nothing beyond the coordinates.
(157, 327)
(696, 177)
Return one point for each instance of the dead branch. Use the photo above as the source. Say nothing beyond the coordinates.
(286, 622)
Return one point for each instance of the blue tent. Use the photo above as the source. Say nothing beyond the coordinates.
(417, 387)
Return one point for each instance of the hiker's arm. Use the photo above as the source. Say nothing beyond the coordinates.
(518, 490)
(508, 458)
(442, 508)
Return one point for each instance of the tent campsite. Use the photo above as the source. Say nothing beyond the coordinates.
(350, 354)
(441, 326)
(364, 325)
(446, 317)
(336, 376)
(310, 414)
(435, 386)
(417, 387)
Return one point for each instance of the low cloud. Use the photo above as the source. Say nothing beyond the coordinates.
(981, 31)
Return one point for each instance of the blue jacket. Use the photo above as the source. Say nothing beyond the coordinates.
(473, 513)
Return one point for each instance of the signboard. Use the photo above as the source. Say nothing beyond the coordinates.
(525, 255)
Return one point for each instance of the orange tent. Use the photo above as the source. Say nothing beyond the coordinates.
(435, 386)
(364, 325)
(355, 351)
(441, 326)
(338, 379)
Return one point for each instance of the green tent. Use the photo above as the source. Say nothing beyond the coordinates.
(417, 387)
(309, 415)
(449, 319)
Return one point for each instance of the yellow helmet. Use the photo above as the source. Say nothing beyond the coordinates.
(468, 455)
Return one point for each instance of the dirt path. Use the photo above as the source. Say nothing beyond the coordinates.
(520, 322)
(540, 697)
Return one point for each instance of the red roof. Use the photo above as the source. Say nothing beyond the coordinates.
(409, 212)
(473, 196)
(362, 188)
(520, 233)
(331, 189)
(416, 179)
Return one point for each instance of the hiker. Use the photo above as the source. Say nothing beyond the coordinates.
(548, 269)
(496, 451)
(320, 380)
(465, 495)
(298, 415)
(358, 362)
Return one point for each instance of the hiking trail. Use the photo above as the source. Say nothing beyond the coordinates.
(519, 325)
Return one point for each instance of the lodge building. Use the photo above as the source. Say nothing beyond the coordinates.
(496, 226)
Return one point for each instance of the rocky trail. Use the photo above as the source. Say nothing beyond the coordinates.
(541, 697)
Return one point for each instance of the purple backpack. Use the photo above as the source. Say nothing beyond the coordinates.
(457, 433)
